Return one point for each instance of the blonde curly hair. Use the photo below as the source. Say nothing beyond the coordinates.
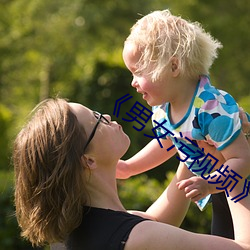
(49, 181)
(161, 36)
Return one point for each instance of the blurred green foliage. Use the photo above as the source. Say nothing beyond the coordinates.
(139, 192)
(72, 48)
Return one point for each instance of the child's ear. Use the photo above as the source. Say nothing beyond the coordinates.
(175, 66)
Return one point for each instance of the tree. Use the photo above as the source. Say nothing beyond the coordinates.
(72, 48)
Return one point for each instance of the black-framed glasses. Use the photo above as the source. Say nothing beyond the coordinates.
(100, 118)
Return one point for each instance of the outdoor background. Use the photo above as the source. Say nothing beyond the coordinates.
(72, 48)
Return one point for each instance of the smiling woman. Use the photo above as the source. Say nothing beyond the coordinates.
(65, 162)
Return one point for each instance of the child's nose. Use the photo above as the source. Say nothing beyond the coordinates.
(134, 83)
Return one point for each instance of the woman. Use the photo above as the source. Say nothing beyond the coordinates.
(65, 188)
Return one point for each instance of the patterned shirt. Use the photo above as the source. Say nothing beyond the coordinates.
(213, 116)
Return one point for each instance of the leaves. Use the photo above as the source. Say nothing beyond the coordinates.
(73, 48)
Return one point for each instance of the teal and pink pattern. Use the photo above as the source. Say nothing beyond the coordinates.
(213, 116)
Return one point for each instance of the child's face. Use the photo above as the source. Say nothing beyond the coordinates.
(152, 92)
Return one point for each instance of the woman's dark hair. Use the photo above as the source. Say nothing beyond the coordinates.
(49, 180)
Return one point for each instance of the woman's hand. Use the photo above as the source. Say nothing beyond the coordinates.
(245, 123)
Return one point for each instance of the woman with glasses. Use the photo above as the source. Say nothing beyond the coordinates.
(65, 188)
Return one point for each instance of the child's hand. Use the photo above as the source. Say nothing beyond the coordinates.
(195, 187)
(122, 170)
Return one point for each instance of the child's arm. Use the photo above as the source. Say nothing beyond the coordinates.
(149, 157)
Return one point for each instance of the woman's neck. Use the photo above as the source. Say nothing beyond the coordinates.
(102, 189)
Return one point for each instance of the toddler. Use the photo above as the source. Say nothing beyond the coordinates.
(170, 59)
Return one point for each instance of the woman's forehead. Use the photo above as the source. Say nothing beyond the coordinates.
(78, 108)
(84, 115)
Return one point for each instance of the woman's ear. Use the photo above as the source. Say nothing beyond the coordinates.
(89, 161)
(175, 66)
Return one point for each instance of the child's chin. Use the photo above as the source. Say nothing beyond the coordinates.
(152, 103)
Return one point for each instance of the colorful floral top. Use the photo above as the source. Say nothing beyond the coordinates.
(213, 116)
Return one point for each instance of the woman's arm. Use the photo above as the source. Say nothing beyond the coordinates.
(159, 236)
(237, 156)
(245, 124)
(172, 206)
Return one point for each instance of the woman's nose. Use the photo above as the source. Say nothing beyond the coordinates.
(108, 117)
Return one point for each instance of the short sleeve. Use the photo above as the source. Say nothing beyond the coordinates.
(219, 119)
(160, 116)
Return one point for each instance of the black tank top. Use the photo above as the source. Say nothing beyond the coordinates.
(102, 229)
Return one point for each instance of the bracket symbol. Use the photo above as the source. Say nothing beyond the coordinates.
(119, 102)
